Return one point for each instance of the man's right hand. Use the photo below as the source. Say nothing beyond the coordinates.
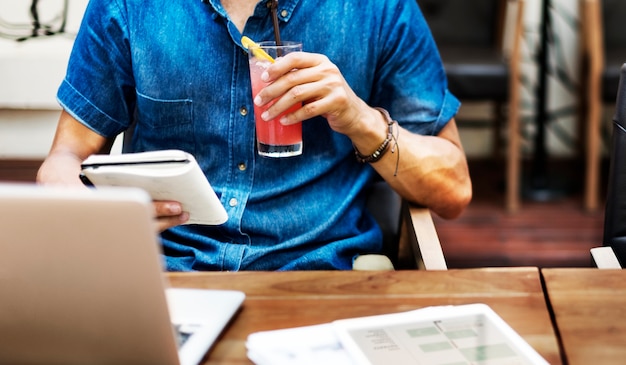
(169, 214)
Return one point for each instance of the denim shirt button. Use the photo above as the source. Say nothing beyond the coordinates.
(233, 202)
(242, 166)
(284, 13)
(243, 111)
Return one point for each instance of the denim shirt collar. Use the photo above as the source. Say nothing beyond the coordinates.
(285, 7)
(285, 11)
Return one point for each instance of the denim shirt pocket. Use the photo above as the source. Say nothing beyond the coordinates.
(164, 113)
(163, 123)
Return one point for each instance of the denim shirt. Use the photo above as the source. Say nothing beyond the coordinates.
(177, 70)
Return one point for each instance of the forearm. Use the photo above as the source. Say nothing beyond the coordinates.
(60, 169)
(426, 170)
(73, 142)
(431, 171)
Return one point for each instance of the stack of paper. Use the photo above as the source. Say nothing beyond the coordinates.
(465, 334)
(302, 345)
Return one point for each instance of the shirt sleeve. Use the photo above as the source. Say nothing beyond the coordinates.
(98, 89)
(411, 81)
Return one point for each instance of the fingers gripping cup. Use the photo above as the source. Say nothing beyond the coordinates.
(273, 138)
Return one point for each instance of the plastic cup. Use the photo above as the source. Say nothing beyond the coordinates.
(273, 138)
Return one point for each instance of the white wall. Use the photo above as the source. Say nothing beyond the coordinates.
(30, 73)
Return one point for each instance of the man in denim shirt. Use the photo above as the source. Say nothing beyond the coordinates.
(178, 71)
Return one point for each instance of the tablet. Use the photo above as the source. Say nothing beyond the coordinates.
(165, 175)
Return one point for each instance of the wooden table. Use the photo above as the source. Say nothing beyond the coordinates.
(290, 299)
(590, 310)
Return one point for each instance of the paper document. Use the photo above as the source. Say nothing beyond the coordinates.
(310, 345)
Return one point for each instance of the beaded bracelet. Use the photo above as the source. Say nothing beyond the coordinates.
(382, 149)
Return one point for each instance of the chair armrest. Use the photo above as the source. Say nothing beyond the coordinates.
(419, 237)
(604, 258)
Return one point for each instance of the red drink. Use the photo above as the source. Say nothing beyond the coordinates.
(273, 138)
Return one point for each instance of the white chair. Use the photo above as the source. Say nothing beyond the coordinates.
(604, 258)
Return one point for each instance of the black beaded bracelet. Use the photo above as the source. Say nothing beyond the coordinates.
(380, 151)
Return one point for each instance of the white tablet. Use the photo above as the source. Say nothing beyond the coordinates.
(462, 334)
(165, 175)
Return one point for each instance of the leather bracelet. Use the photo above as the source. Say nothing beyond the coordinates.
(384, 146)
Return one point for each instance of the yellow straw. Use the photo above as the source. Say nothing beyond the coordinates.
(255, 49)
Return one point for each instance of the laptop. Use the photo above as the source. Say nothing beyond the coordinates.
(81, 282)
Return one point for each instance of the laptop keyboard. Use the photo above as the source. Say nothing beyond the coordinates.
(184, 331)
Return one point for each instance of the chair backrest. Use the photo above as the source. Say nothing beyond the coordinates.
(462, 22)
(604, 44)
(614, 45)
(613, 12)
(615, 210)
(477, 23)
(386, 207)
(478, 42)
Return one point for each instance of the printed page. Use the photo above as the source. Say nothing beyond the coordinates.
(309, 345)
